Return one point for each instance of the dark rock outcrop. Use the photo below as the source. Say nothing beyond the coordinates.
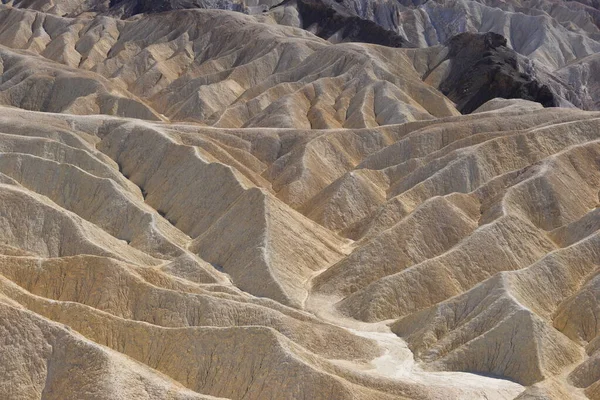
(326, 20)
(483, 67)
(129, 8)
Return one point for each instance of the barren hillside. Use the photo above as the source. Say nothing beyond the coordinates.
(200, 203)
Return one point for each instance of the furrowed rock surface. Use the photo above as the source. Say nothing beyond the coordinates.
(175, 64)
(203, 204)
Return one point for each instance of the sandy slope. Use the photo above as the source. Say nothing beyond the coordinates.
(231, 249)
(118, 285)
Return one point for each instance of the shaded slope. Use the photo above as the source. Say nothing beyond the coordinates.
(481, 68)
